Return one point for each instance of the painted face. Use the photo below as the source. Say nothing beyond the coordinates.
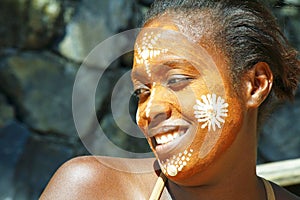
(185, 99)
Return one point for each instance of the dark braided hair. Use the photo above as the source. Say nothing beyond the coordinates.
(248, 33)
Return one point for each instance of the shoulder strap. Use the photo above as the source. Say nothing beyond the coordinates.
(269, 189)
(160, 184)
(158, 187)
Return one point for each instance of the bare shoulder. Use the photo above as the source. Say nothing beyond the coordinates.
(283, 194)
(92, 177)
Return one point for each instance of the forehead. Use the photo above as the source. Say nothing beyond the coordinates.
(195, 24)
(165, 38)
(162, 34)
(196, 28)
(153, 31)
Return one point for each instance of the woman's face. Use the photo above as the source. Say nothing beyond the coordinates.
(187, 107)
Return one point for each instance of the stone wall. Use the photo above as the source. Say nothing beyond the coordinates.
(43, 45)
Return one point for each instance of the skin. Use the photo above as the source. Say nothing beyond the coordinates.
(179, 99)
(227, 171)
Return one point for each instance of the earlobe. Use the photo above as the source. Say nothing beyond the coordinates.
(259, 85)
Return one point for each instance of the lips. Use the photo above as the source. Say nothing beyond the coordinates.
(168, 132)
(168, 136)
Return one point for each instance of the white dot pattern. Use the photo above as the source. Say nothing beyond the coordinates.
(147, 51)
(175, 164)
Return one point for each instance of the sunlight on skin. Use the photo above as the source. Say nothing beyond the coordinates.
(209, 113)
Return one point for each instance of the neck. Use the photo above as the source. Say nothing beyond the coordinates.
(240, 183)
(231, 188)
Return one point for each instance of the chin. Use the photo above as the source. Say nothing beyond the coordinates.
(202, 171)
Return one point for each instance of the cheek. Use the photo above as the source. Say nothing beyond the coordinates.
(210, 144)
(217, 120)
(139, 119)
(220, 136)
(211, 111)
(142, 123)
(188, 97)
(234, 120)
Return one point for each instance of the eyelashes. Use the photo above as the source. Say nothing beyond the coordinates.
(175, 82)
(141, 93)
(178, 81)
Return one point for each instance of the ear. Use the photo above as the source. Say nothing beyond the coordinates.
(259, 84)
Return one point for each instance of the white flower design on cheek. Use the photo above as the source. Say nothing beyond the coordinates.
(211, 111)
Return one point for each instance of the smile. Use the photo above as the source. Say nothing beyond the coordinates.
(165, 136)
(168, 137)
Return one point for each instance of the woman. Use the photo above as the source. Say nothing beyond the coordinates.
(206, 73)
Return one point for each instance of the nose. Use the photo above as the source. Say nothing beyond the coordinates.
(158, 113)
(158, 107)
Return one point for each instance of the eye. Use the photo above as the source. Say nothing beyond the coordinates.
(178, 81)
(141, 93)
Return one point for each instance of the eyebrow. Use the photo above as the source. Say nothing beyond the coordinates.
(141, 76)
(174, 63)
(177, 64)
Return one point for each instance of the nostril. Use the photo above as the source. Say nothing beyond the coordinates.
(158, 114)
(157, 119)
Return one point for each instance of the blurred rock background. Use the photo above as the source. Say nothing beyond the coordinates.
(42, 45)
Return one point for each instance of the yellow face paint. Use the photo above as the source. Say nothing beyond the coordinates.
(185, 98)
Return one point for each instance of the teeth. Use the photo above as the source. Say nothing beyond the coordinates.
(164, 139)
(168, 137)
(176, 134)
